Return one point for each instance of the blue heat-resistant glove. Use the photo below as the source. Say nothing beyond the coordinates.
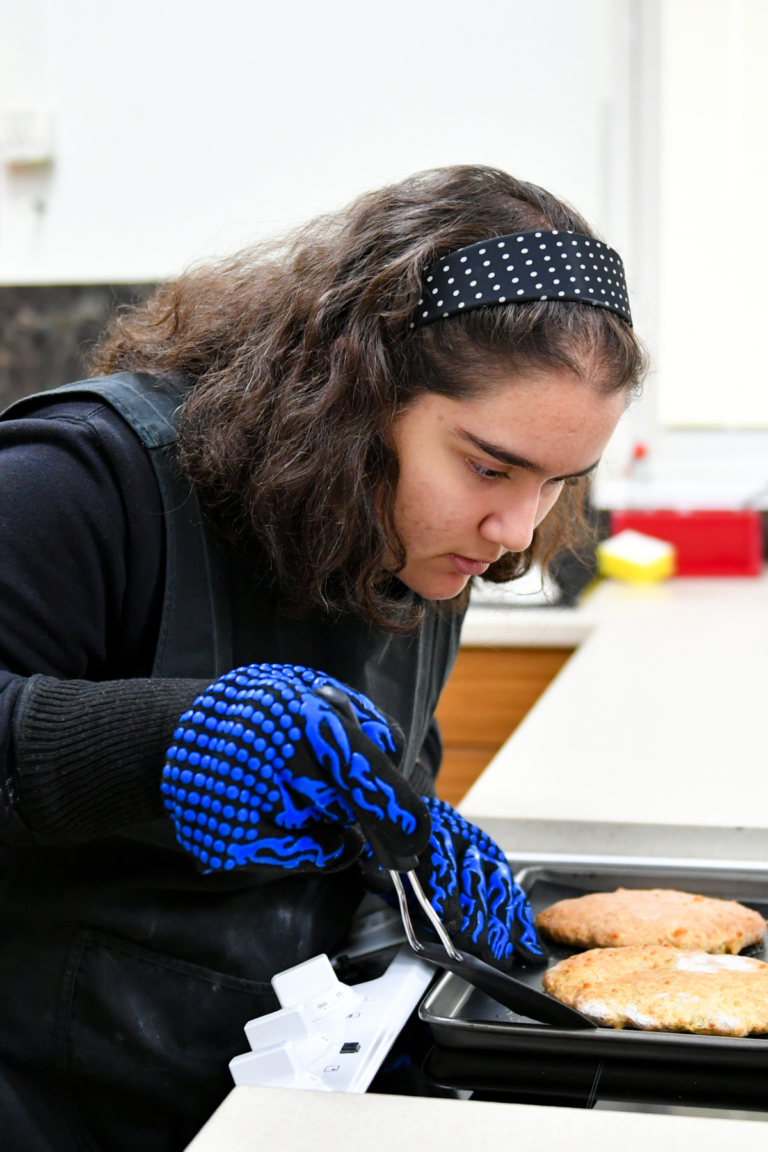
(471, 887)
(279, 767)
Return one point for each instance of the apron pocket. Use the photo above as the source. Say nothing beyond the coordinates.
(143, 1042)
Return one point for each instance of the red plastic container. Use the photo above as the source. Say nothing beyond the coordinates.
(708, 543)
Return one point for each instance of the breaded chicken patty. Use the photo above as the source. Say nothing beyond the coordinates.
(658, 988)
(632, 916)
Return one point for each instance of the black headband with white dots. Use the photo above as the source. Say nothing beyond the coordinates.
(553, 265)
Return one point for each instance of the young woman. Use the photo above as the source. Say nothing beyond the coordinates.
(261, 516)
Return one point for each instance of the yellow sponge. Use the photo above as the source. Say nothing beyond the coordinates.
(636, 558)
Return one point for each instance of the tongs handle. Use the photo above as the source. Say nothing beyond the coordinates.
(432, 916)
(384, 857)
(506, 990)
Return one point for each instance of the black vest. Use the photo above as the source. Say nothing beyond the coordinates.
(132, 975)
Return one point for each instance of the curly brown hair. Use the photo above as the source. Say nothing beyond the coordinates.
(299, 356)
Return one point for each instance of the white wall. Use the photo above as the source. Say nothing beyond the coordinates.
(714, 242)
(187, 128)
(694, 113)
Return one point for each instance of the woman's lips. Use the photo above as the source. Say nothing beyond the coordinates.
(468, 567)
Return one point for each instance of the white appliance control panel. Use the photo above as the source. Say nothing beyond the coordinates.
(330, 1036)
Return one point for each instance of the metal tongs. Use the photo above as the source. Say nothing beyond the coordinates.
(505, 990)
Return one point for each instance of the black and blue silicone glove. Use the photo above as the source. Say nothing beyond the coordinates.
(278, 767)
(471, 887)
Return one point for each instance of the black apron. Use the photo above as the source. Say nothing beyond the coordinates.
(128, 976)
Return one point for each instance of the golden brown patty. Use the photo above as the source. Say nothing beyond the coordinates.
(652, 916)
(658, 988)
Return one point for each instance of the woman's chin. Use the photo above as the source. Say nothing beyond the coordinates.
(434, 585)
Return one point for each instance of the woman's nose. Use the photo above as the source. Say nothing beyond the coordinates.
(512, 527)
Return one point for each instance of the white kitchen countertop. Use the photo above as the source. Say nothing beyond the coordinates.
(276, 1120)
(527, 627)
(657, 718)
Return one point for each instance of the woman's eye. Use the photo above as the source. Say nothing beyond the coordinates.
(486, 473)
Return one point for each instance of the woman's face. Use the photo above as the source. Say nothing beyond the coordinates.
(478, 475)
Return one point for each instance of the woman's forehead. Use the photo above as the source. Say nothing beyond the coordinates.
(553, 425)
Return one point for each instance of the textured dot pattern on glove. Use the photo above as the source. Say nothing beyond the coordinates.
(261, 772)
(471, 887)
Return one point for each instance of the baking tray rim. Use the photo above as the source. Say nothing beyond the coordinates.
(758, 868)
(468, 1033)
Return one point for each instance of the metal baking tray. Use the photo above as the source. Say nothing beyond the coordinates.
(461, 1017)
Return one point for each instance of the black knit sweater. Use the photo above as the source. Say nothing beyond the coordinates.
(83, 729)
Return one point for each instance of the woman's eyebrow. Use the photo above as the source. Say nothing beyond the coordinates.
(514, 460)
(499, 453)
(578, 475)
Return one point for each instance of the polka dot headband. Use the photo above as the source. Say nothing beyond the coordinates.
(525, 266)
